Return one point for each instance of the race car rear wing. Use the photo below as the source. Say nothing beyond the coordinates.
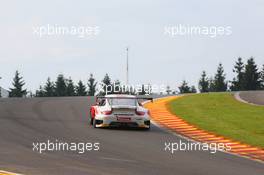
(139, 98)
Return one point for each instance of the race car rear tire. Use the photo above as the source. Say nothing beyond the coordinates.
(91, 119)
(147, 128)
(94, 123)
(149, 124)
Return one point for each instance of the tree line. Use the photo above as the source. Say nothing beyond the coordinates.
(61, 87)
(66, 87)
(247, 77)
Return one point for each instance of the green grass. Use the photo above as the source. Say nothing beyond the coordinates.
(220, 113)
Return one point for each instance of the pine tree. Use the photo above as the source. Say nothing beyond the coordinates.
(60, 86)
(262, 78)
(70, 89)
(237, 83)
(40, 92)
(204, 83)
(252, 76)
(49, 89)
(0, 89)
(149, 89)
(18, 84)
(107, 85)
(184, 88)
(92, 85)
(168, 90)
(31, 95)
(117, 87)
(193, 89)
(142, 90)
(211, 84)
(220, 85)
(81, 89)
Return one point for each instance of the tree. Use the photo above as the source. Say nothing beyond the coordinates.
(107, 85)
(0, 89)
(70, 88)
(168, 90)
(92, 84)
(142, 90)
(31, 95)
(49, 89)
(148, 89)
(252, 76)
(211, 84)
(262, 78)
(237, 83)
(220, 84)
(193, 89)
(40, 92)
(117, 89)
(60, 86)
(18, 84)
(184, 88)
(203, 83)
(81, 89)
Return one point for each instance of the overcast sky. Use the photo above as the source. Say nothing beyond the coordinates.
(154, 57)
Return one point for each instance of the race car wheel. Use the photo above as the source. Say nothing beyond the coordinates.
(147, 128)
(94, 123)
(91, 121)
(147, 123)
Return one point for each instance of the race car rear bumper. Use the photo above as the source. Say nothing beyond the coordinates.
(145, 124)
(112, 121)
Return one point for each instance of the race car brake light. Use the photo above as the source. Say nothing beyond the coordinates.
(107, 112)
(140, 112)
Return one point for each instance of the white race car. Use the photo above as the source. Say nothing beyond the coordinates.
(119, 110)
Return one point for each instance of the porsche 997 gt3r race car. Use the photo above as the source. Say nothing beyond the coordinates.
(119, 110)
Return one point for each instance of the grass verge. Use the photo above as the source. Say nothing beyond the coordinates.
(221, 114)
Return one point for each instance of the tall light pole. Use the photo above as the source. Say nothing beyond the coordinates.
(127, 80)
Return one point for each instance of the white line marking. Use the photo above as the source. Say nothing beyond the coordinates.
(116, 159)
(238, 98)
(9, 173)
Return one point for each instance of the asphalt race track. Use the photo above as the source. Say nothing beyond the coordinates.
(122, 151)
(255, 97)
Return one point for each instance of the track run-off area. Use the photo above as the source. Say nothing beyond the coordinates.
(24, 122)
(175, 123)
